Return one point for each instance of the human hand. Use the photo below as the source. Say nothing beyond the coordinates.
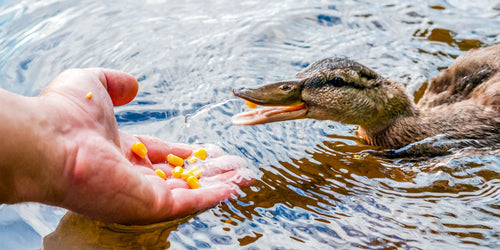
(89, 165)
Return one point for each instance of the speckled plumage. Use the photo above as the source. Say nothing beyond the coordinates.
(461, 107)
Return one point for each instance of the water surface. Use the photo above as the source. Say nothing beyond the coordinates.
(317, 187)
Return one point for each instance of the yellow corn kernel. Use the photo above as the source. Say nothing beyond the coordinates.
(193, 182)
(177, 172)
(196, 171)
(139, 149)
(250, 104)
(89, 95)
(175, 160)
(185, 175)
(160, 173)
(201, 153)
(192, 159)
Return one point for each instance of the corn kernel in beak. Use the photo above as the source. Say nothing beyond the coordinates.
(251, 104)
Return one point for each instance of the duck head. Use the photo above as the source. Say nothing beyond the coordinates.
(335, 89)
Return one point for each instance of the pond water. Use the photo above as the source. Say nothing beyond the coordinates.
(316, 189)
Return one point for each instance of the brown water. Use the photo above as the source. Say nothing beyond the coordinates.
(317, 186)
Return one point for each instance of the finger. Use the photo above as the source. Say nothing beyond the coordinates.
(159, 150)
(165, 167)
(175, 183)
(213, 150)
(189, 201)
(126, 142)
(172, 183)
(122, 87)
(240, 177)
(222, 164)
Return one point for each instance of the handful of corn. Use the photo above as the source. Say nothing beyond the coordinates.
(190, 176)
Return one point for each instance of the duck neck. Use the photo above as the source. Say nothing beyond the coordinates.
(400, 131)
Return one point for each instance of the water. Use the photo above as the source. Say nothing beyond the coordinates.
(317, 188)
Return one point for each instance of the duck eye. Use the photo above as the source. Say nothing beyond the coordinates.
(338, 81)
(285, 87)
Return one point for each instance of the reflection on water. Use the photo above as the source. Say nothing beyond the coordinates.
(78, 232)
(319, 188)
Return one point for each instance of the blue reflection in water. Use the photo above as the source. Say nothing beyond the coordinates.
(317, 188)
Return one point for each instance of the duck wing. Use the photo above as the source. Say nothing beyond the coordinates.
(474, 76)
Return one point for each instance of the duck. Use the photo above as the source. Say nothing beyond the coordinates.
(460, 107)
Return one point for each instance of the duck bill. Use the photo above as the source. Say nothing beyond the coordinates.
(282, 101)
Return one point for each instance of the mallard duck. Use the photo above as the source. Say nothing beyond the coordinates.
(460, 107)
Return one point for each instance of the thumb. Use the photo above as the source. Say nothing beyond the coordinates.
(122, 87)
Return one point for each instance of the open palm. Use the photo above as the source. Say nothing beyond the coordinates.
(97, 174)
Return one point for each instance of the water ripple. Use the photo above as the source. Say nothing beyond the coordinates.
(318, 187)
